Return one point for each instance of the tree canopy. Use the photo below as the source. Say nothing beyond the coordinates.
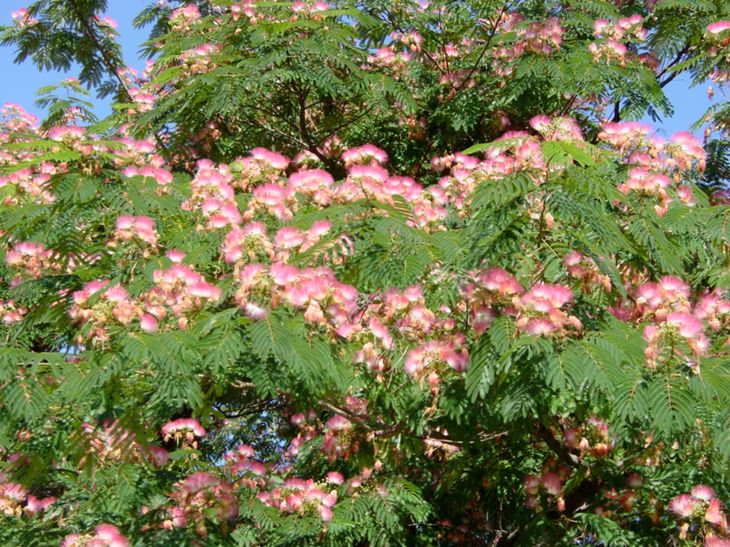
(366, 272)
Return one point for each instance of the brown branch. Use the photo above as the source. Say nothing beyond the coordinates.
(677, 59)
(345, 414)
(616, 112)
(306, 136)
(560, 450)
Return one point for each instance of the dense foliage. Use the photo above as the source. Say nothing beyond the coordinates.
(366, 273)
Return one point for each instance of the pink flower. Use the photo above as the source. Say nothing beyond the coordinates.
(204, 290)
(334, 477)
(365, 154)
(270, 158)
(183, 425)
(552, 483)
(36, 505)
(683, 505)
(175, 255)
(688, 325)
(500, 281)
(148, 323)
(714, 514)
(703, 492)
(718, 27)
(111, 536)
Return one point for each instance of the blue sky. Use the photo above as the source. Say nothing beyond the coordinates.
(22, 81)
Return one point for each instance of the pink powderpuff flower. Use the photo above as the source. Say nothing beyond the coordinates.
(552, 483)
(187, 426)
(333, 477)
(684, 505)
(189, 12)
(70, 133)
(36, 505)
(289, 238)
(272, 159)
(157, 455)
(366, 154)
(310, 180)
(108, 535)
(703, 492)
(206, 290)
(129, 227)
(338, 423)
(148, 323)
(714, 514)
(540, 327)
(688, 325)
(499, 281)
(175, 255)
(532, 484)
(718, 27)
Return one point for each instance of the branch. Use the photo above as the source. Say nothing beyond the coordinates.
(111, 65)
(677, 59)
(345, 414)
(483, 52)
(334, 168)
(546, 435)
(616, 111)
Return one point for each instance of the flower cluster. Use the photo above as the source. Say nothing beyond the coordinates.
(677, 320)
(514, 152)
(429, 358)
(241, 464)
(609, 35)
(22, 18)
(584, 269)
(339, 441)
(10, 312)
(178, 291)
(302, 497)
(538, 311)
(97, 305)
(111, 444)
(198, 497)
(591, 438)
(309, 7)
(183, 431)
(182, 18)
(160, 175)
(105, 535)
(717, 39)
(702, 507)
(326, 302)
(30, 185)
(657, 166)
(199, 60)
(538, 38)
(130, 228)
(561, 128)
(547, 487)
(16, 500)
(33, 259)
(213, 195)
